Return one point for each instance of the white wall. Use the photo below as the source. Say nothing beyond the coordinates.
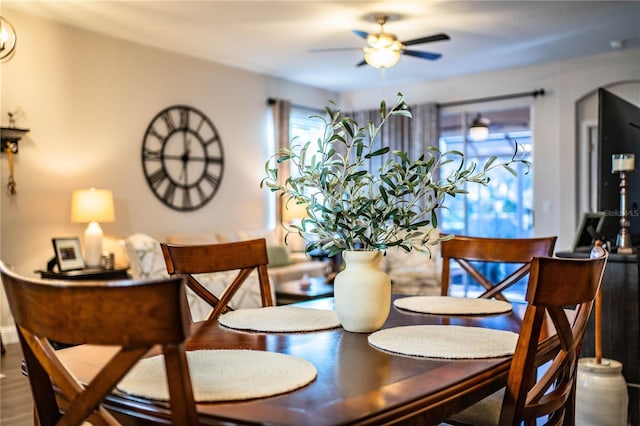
(553, 121)
(87, 100)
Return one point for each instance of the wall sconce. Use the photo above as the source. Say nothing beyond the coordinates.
(8, 39)
(92, 206)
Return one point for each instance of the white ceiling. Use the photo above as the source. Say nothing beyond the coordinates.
(274, 37)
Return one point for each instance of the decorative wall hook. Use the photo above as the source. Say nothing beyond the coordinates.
(9, 138)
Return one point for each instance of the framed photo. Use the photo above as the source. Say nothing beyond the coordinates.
(68, 253)
(588, 232)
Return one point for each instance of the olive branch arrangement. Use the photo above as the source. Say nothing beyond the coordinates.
(349, 207)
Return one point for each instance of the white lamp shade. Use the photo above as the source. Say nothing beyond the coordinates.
(92, 205)
(622, 163)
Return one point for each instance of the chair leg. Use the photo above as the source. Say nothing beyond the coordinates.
(2, 349)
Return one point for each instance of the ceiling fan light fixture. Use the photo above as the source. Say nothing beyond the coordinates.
(385, 57)
(381, 58)
(479, 129)
(381, 40)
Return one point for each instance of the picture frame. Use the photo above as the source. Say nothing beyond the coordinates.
(588, 232)
(68, 253)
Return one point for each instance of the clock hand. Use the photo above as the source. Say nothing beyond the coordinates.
(185, 160)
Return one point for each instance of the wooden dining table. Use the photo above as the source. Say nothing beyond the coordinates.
(356, 384)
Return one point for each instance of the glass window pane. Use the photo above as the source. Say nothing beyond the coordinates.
(504, 208)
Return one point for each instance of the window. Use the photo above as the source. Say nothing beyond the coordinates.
(505, 207)
(304, 124)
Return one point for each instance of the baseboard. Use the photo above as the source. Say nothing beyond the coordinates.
(9, 334)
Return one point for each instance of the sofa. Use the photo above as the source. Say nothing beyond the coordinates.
(146, 261)
(415, 273)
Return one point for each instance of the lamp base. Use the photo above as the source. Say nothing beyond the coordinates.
(601, 393)
(93, 245)
(626, 250)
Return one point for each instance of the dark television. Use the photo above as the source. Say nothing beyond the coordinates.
(618, 133)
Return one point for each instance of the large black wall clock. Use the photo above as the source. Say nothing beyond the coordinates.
(182, 158)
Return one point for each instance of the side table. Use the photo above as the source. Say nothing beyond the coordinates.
(84, 275)
(87, 274)
(620, 321)
(335, 261)
(291, 291)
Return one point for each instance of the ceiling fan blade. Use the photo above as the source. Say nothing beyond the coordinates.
(363, 62)
(428, 39)
(360, 34)
(423, 55)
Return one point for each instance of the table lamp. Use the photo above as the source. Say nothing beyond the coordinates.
(623, 164)
(92, 206)
(292, 214)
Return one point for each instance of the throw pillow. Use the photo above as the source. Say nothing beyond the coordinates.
(145, 257)
(278, 255)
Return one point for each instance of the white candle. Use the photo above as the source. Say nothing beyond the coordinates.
(622, 162)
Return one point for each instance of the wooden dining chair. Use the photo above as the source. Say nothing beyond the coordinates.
(134, 315)
(556, 287)
(471, 253)
(244, 256)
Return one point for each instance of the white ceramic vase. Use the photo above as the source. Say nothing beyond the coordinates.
(362, 292)
(601, 393)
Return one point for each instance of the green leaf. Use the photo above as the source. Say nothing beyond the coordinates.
(510, 170)
(378, 152)
(356, 175)
(383, 109)
(384, 195)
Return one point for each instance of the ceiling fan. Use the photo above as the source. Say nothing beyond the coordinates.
(383, 50)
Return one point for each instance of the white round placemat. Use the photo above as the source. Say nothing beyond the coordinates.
(223, 375)
(445, 341)
(280, 319)
(448, 305)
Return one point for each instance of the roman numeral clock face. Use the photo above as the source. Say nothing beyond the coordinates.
(182, 158)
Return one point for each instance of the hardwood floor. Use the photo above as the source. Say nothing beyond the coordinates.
(16, 404)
